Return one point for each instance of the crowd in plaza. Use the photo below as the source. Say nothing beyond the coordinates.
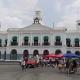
(70, 65)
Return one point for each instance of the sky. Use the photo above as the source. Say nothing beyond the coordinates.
(20, 13)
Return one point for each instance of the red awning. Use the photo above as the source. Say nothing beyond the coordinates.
(51, 55)
(59, 56)
(54, 56)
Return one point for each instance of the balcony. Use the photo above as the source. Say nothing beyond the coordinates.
(0, 45)
(36, 44)
(76, 45)
(25, 44)
(68, 45)
(14, 43)
(5, 45)
(58, 43)
(46, 44)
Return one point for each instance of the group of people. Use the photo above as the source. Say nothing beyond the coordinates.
(71, 65)
(61, 64)
(25, 62)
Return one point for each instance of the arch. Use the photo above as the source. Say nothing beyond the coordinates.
(25, 54)
(13, 55)
(4, 55)
(0, 54)
(77, 52)
(36, 20)
(68, 52)
(35, 52)
(58, 51)
(45, 52)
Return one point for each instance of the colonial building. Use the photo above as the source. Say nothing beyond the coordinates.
(38, 39)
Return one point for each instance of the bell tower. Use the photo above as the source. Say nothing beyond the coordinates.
(37, 17)
(78, 25)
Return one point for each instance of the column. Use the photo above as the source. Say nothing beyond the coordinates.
(9, 40)
(31, 41)
(19, 39)
(51, 40)
(41, 41)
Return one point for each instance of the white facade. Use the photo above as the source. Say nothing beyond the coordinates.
(57, 40)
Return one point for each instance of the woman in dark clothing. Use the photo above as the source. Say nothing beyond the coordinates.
(57, 62)
(67, 64)
(74, 66)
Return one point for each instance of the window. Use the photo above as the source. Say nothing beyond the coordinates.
(35, 41)
(0, 54)
(58, 41)
(35, 52)
(58, 51)
(36, 20)
(58, 38)
(26, 40)
(77, 53)
(68, 42)
(5, 42)
(68, 52)
(14, 41)
(76, 42)
(46, 41)
(13, 55)
(0, 42)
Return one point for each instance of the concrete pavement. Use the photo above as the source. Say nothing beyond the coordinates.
(14, 72)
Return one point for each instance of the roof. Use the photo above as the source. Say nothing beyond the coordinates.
(36, 27)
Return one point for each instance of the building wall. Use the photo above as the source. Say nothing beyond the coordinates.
(52, 48)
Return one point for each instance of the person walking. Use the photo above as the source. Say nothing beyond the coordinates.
(23, 65)
(74, 66)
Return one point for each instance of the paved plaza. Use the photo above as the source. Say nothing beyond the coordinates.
(14, 72)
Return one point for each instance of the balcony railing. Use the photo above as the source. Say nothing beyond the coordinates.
(76, 45)
(0, 45)
(46, 44)
(68, 45)
(25, 44)
(35, 44)
(57, 43)
(5, 45)
(14, 43)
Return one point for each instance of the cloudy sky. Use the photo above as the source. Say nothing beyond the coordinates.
(19, 13)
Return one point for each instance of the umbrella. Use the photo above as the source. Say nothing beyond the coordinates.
(70, 55)
(59, 56)
(55, 56)
(51, 55)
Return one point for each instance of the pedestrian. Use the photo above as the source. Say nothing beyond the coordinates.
(56, 62)
(67, 64)
(51, 62)
(23, 65)
(74, 66)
